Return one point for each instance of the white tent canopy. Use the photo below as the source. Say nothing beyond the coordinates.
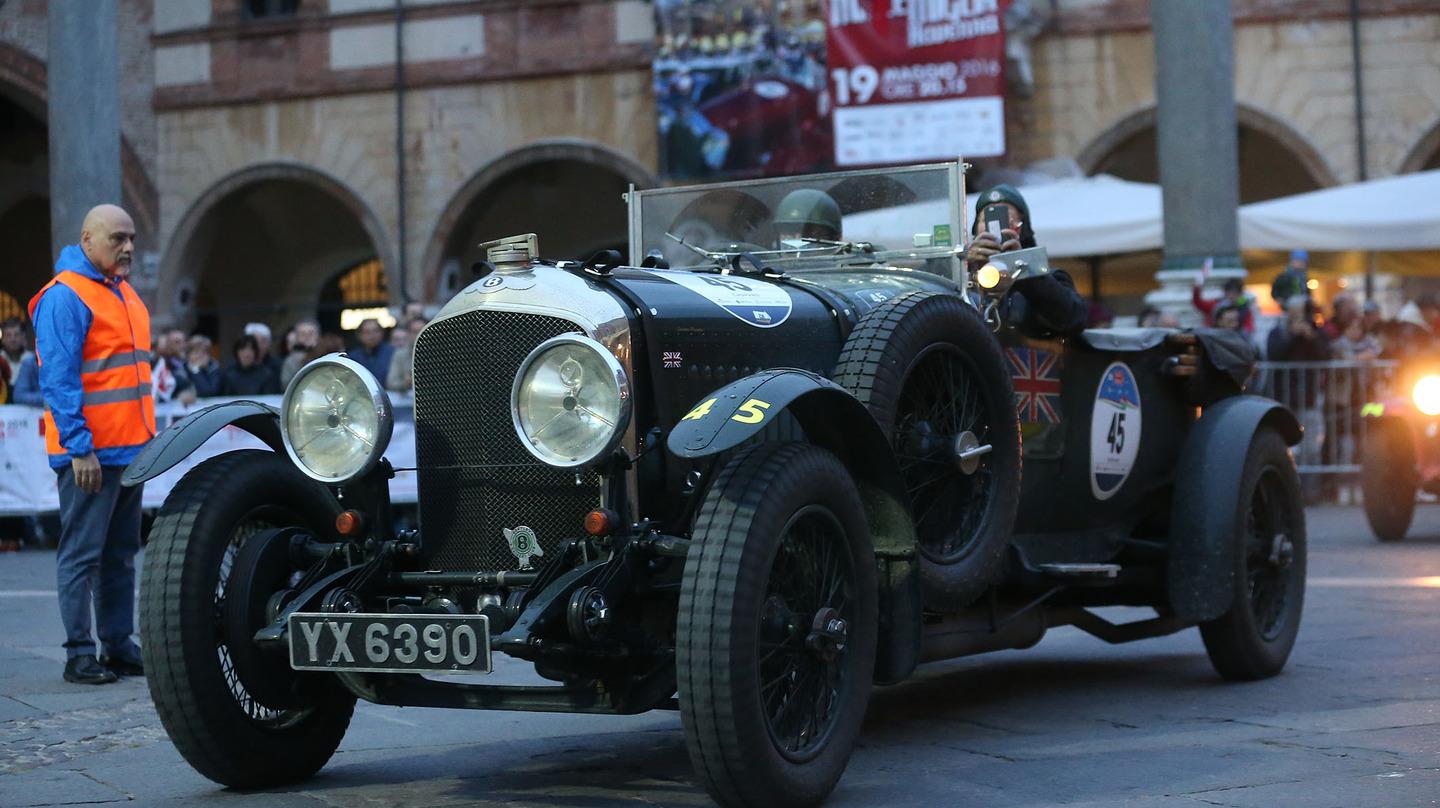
(1104, 215)
(1073, 217)
(1394, 213)
(1092, 216)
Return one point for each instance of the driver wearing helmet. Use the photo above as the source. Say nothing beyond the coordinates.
(806, 213)
(1041, 306)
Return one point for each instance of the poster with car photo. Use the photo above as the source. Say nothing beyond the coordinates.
(741, 89)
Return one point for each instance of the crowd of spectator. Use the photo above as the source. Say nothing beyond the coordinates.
(186, 367)
(1304, 332)
(1352, 331)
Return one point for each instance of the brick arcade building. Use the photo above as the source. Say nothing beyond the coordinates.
(280, 160)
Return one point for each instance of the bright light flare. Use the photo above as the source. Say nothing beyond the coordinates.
(1426, 395)
(988, 276)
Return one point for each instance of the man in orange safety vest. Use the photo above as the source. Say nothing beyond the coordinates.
(92, 342)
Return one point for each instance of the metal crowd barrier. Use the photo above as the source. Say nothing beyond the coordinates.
(1327, 397)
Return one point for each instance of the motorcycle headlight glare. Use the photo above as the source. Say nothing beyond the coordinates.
(335, 419)
(1426, 395)
(570, 402)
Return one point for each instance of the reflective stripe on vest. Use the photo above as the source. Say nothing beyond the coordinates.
(118, 360)
(116, 395)
(114, 367)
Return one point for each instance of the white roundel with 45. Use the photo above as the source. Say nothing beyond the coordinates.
(1114, 430)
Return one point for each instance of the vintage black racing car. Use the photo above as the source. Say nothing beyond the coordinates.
(776, 464)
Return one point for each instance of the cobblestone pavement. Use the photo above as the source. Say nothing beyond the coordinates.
(1354, 721)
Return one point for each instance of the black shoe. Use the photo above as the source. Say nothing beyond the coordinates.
(123, 667)
(86, 670)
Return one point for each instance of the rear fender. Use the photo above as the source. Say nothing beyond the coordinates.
(1201, 566)
(177, 441)
(834, 419)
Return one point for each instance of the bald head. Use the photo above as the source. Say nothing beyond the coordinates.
(108, 239)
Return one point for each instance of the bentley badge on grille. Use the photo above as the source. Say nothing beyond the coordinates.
(523, 544)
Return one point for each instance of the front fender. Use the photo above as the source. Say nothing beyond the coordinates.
(178, 440)
(829, 414)
(1201, 566)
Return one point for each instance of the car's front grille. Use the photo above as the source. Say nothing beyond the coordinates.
(476, 479)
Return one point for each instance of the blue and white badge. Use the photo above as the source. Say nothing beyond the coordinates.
(753, 302)
(1114, 430)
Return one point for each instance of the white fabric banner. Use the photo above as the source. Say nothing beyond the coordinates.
(27, 485)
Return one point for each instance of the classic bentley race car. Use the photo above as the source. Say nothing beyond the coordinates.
(776, 464)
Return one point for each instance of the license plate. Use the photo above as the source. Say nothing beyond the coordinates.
(386, 643)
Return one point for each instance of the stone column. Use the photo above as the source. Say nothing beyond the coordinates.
(84, 113)
(1197, 152)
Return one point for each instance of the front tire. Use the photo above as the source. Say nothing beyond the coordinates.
(223, 728)
(1388, 479)
(1254, 638)
(777, 628)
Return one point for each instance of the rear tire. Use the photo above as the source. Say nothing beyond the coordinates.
(780, 549)
(220, 726)
(1388, 479)
(1254, 638)
(929, 369)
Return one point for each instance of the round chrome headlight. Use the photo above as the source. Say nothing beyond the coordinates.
(335, 419)
(571, 401)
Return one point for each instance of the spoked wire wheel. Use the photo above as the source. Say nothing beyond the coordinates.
(936, 379)
(1253, 639)
(942, 441)
(258, 520)
(804, 626)
(776, 630)
(1269, 556)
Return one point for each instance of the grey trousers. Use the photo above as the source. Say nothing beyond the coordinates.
(99, 537)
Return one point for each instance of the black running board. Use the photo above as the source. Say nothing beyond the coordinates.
(1115, 633)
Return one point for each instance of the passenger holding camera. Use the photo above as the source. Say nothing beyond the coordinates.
(1041, 306)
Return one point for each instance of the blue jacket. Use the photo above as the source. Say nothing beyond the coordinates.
(62, 322)
(27, 383)
(378, 363)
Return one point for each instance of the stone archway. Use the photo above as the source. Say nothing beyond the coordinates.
(263, 244)
(1275, 160)
(523, 191)
(23, 82)
(1425, 154)
(24, 205)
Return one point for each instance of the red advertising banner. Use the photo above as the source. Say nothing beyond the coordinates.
(916, 80)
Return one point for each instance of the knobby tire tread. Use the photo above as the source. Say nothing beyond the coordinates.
(178, 690)
(718, 710)
(721, 564)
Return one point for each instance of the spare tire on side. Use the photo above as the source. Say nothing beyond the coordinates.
(934, 376)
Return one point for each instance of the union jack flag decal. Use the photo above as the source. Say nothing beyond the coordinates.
(1036, 376)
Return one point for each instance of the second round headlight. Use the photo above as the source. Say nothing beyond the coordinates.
(335, 419)
(570, 401)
